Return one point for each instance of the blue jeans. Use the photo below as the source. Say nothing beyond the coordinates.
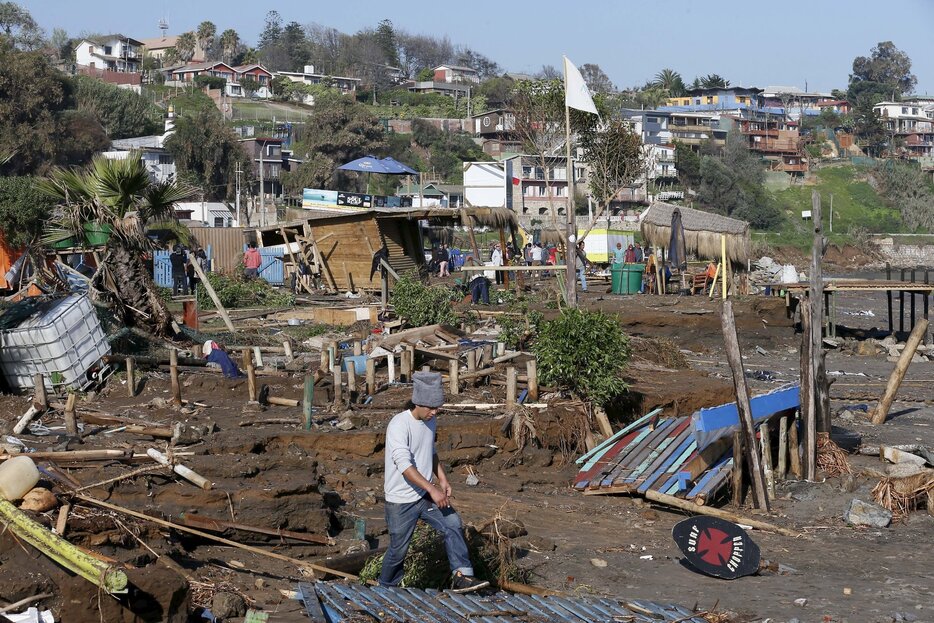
(401, 520)
(581, 272)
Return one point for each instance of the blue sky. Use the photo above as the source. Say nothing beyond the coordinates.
(749, 43)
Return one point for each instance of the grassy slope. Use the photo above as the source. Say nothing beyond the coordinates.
(856, 204)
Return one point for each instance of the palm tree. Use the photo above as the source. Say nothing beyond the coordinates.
(206, 32)
(185, 46)
(714, 81)
(117, 196)
(230, 41)
(670, 81)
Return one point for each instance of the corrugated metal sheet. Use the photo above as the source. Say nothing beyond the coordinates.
(226, 245)
(334, 602)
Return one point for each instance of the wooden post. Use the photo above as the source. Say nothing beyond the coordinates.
(765, 443)
(250, 373)
(901, 304)
(794, 450)
(510, 386)
(502, 246)
(805, 382)
(287, 347)
(531, 371)
(888, 295)
(816, 293)
(724, 264)
(173, 372)
(370, 376)
(258, 357)
(487, 355)
(405, 366)
(454, 376)
(357, 348)
(783, 447)
(338, 386)
(391, 367)
(71, 422)
(737, 468)
(40, 400)
(472, 366)
(308, 399)
(898, 374)
(211, 293)
(62, 523)
(351, 380)
(131, 376)
(735, 359)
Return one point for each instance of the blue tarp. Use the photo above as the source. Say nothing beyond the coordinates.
(713, 423)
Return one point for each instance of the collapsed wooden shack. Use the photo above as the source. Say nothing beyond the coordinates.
(336, 249)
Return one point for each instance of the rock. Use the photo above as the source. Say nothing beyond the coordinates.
(801, 602)
(916, 358)
(598, 562)
(649, 514)
(472, 480)
(866, 348)
(541, 544)
(39, 500)
(346, 424)
(227, 606)
(889, 341)
(865, 514)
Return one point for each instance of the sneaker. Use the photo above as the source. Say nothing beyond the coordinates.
(461, 583)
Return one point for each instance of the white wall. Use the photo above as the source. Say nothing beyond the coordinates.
(485, 184)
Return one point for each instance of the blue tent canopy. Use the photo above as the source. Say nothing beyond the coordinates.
(366, 164)
(398, 168)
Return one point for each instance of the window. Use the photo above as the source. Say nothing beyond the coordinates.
(914, 111)
(653, 120)
(91, 49)
(108, 50)
(218, 221)
(165, 159)
(741, 99)
(710, 99)
(526, 171)
(904, 110)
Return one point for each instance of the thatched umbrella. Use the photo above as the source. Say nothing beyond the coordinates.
(702, 231)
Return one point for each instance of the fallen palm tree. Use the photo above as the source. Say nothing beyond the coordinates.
(109, 205)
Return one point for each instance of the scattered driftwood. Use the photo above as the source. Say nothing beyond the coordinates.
(691, 507)
(219, 525)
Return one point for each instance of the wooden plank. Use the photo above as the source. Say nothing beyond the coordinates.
(211, 293)
(632, 460)
(660, 452)
(671, 464)
(671, 451)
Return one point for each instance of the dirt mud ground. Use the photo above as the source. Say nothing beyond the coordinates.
(268, 471)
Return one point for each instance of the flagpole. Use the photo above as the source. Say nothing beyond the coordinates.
(570, 250)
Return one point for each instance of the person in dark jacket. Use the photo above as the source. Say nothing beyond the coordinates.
(178, 259)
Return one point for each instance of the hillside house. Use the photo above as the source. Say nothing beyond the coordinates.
(117, 53)
(496, 128)
(309, 76)
(911, 126)
(158, 47)
(455, 73)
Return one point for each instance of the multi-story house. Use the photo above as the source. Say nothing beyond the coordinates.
(911, 126)
(525, 184)
(496, 128)
(116, 53)
(795, 101)
(232, 76)
(717, 99)
(158, 47)
(454, 73)
(776, 141)
(160, 164)
(695, 128)
(269, 160)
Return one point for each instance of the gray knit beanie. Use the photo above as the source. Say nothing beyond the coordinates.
(427, 390)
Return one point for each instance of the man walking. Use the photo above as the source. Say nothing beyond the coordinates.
(178, 261)
(410, 463)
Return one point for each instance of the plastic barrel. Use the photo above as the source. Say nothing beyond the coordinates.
(18, 476)
(616, 275)
(634, 278)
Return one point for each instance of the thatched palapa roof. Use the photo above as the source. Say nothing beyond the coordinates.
(702, 231)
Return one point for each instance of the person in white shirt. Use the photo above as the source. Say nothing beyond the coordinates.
(536, 254)
(496, 259)
(410, 464)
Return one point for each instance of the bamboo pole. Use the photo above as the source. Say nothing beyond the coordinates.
(723, 264)
(131, 376)
(898, 374)
(735, 359)
(185, 472)
(205, 535)
(308, 400)
(691, 507)
(211, 293)
(173, 373)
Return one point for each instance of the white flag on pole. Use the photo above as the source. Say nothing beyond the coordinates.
(576, 93)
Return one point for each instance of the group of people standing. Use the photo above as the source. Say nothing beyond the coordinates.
(184, 278)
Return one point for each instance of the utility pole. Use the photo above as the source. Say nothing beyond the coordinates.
(262, 184)
(239, 216)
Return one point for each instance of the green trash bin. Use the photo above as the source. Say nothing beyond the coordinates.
(633, 277)
(616, 278)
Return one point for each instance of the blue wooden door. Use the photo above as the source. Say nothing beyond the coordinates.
(162, 269)
(272, 268)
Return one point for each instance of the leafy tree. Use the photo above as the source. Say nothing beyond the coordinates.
(446, 150)
(229, 42)
(422, 52)
(121, 112)
(211, 82)
(497, 91)
(596, 79)
(62, 45)
(887, 66)
(687, 164)
(23, 211)
(386, 40)
(250, 85)
(33, 95)
(185, 46)
(669, 81)
(205, 35)
(615, 157)
(426, 75)
(486, 67)
(118, 194)
(272, 30)
(585, 352)
(294, 47)
(19, 28)
(337, 131)
(906, 188)
(206, 153)
(82, 136)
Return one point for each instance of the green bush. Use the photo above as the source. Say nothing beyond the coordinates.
(422, 305)
(238, 292)
(585, 352)
(211, 82)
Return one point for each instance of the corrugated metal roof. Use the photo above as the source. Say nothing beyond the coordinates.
(338, 602)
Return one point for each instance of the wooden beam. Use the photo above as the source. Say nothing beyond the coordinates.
(211, 293)
(898, 374)
(735, 359)
(691, 507)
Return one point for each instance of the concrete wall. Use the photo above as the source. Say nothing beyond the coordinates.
(912, 255)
